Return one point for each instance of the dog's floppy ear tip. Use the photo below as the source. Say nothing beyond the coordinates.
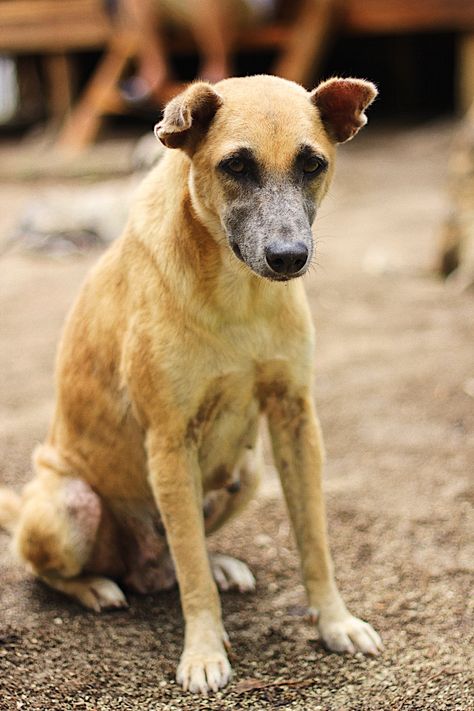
(194, 107)
(176, 121)
(157, 130)
(169, 137)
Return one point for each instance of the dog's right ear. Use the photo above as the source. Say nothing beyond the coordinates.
(342, 104)
(187, 116)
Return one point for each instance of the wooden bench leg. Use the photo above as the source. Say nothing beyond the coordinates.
(100, 96)
(59, 85)
(307, 42)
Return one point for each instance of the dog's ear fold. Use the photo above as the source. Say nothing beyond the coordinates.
(341, 104)
(187, 116)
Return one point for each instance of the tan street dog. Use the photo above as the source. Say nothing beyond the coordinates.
(182, 337)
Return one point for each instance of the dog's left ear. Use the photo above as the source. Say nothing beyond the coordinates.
(341, 104)
(187, 116)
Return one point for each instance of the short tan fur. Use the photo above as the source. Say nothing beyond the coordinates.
(181, 340)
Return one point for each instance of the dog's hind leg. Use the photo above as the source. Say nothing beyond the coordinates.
(60, 535)
(222, 505)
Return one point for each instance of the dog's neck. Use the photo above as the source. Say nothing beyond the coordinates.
(192, 253)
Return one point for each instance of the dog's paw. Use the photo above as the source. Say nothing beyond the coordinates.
(231, 574)
(201, 673)
(99, 594)
(349, 634)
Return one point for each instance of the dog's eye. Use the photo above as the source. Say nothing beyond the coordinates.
(313, 165)
(240, 166)
(236, 165)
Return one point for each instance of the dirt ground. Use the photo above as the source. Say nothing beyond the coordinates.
(394, 386)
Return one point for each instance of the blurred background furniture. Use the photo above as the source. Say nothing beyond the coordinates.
(54, 30)
(406, 16)
(296, 37)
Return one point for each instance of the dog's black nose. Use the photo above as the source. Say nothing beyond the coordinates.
(287, 258)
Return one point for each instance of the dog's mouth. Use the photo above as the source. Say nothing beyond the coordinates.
(237, 252)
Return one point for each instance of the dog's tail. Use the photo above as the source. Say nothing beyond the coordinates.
(10, 508)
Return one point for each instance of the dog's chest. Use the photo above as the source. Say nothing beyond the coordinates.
(222, 391)
(223, 424)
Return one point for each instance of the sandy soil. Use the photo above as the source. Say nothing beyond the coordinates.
(395, 366)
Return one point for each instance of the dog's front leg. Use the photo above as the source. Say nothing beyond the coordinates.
(176, 484)
(298, 452)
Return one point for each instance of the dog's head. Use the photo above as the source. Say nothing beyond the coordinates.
(262, 155)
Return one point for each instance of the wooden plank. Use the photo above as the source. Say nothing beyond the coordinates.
(59, 81)
(99, 96)
(52, 26)
(406, 15)
(57, 38)
(272, 36)
(14, 11)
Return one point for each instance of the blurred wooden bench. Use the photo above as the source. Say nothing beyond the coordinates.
(406, 16)
(297, 36)
(53, 28)
(298, 51)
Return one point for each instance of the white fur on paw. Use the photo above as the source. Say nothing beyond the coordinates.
(100, 594)
(201, 673)
(230, 573)
(349, 635)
